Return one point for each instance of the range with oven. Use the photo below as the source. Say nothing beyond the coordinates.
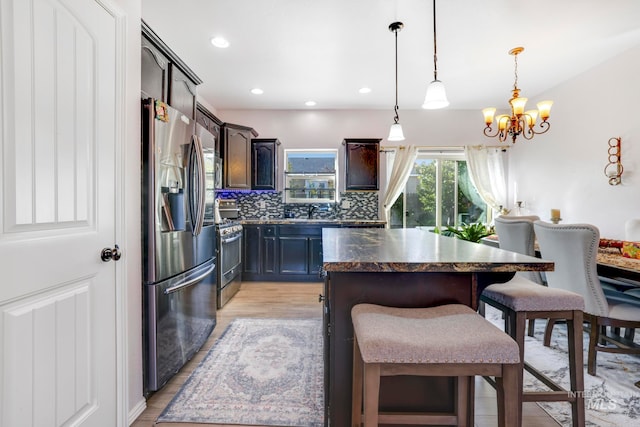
(229, 238)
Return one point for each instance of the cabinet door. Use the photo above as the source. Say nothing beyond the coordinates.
(154, 72)
(315, 255)
(205, 118)
(182, 93)
(263, 164)
(237, 157)
(294, 254)
(361, 163)
(251, 249)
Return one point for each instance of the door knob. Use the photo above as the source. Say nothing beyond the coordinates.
(108, 254)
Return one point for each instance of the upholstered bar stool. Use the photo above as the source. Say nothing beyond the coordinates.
(521, 299)
(450, 340)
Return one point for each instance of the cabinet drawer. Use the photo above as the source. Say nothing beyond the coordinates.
(269, 231)
(297, 230)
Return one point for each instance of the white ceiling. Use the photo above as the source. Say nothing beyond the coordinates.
(325, 50)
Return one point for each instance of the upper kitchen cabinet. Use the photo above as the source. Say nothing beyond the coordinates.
(210, 122)
(165, 76)
(264, 163)
(362, 157)
(155, 71)
(236, 155)
(182, 92)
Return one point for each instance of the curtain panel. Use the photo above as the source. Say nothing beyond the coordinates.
(403, 161)
(488, 173)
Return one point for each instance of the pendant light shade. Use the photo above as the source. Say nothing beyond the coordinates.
(436, 96)
(395, 132)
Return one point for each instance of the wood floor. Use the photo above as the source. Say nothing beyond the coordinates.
(300, 300)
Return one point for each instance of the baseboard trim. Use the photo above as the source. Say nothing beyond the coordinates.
(138, 409)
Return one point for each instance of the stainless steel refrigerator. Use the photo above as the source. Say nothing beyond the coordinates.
(179, 240)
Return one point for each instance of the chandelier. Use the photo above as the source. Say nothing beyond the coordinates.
(520, 122)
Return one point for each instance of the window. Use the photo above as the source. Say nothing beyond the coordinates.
(311, 176)
(438, 193)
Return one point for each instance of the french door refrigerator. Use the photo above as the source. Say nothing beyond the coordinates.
(179, 240)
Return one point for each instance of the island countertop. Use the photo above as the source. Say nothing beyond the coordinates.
(415, 250)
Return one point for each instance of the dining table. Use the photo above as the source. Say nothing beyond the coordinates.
(610, 261)
(401, 268)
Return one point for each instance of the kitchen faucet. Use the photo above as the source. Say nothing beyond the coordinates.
(311, 210)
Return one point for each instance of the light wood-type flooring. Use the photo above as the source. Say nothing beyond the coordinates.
(300, 300)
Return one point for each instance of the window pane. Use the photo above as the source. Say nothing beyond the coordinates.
(438, 193)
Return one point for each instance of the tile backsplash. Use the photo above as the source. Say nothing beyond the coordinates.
(268, 204)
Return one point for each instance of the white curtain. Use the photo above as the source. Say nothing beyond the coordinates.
(488, 173)
(403, 161)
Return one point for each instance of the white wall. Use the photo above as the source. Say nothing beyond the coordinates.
(562, 169)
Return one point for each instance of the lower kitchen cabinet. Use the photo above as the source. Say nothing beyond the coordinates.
(284, 252)
(287, 253)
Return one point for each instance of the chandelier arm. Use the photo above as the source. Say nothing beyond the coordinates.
(545, 125)
(487, 132)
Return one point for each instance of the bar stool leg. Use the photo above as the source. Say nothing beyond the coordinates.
(576, 367)
(462, 401)
(371, 394)
(356, 387)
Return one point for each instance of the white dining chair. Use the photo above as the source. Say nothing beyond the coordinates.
(632, 230)
(573, 248)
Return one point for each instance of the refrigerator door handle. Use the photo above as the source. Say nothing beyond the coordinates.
(190, 281)
(201, 184)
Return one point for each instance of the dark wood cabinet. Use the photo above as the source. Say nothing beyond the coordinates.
(182, 92)
(284, 252)
(154, 71)
(270, 249)
(236, 155)
(362, 158)
(164, 76)
(210, 122)
(264, 164)
(251, 250)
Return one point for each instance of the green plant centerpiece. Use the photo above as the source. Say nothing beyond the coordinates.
(471, 232)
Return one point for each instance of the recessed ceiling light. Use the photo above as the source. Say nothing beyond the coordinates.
(310, 103)
(257, 91)
(220, 42)
(364, 90)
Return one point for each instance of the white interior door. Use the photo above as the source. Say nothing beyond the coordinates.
(57, 297)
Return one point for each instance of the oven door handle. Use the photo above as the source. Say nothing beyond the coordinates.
(230, 239)
(190, 281)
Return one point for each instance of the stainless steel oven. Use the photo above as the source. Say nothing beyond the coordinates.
(229, 260)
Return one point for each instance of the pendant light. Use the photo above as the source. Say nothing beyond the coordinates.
(436, 96)
(395, 132)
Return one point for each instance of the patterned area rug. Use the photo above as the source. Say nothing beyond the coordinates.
(611, 398)
(260, 372)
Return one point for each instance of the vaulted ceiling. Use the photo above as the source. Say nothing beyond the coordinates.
(326, 50)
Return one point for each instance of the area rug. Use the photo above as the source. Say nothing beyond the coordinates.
(259, 372)
(611, 398)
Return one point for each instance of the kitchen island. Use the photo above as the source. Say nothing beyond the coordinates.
(400, 268)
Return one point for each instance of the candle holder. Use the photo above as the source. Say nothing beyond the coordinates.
(555, 220)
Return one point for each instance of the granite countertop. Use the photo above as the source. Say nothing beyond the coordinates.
(373, 222)
(414, 250)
